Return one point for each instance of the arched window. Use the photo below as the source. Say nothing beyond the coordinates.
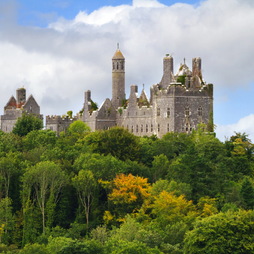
(200, 111)
(137, 128)
(187, 111)
(158, 127)
(146, 127)
(122, 66)
(117, 66)
(151, 127)
(132, 128)
(168, 112)
(113, 66)
(141, 128)
(168, 127)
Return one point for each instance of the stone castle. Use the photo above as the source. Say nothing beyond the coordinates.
(16, 107)
(177, 103)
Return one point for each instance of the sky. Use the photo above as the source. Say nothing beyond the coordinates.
(58, 49)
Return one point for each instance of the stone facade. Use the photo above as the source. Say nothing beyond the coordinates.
(177, 103)
(59, 123)
(16, 107)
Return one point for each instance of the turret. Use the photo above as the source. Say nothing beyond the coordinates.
(168, 71)
(196, 65)
(20, 96)
(118, 78)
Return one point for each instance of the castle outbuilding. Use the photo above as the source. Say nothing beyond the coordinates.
(16, 107)
(177, 103)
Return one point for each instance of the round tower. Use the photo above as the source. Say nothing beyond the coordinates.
(21, 96)
(168, 71)
(196, 64)
(118, 78)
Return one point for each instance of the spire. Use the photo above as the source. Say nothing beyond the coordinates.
(118, 54)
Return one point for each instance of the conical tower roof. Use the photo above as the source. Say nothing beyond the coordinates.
(118, 54)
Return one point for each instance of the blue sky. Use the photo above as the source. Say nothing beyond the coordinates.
(58, 49)
(40, 13)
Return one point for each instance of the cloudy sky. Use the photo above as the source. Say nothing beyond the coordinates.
(57, 49)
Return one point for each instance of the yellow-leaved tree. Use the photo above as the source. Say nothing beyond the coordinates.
(128, 193)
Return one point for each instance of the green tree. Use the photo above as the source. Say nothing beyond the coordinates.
(40, 138)
(78, 127)
(117, 141)
(47, 180)
(6, 218)
(27, 123)
(85, 185)
(230, 232)
(247, 193)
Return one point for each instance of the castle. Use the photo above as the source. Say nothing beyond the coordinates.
(16, 107)
(177, 103)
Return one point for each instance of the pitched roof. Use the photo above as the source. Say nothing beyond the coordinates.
(118, 55)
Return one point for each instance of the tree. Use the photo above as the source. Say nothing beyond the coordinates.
(247, 193)
(47, 180)
(7, 169)
(117, 141)
(6, 218)
(27, 123)
(230, 232)
(170, 209)
(40, 138)
(129, 192)
(78, 127)
(85, 185)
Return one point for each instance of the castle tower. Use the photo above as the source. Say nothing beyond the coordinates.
(20, 96)
(118, 78)
(196, 65)
(168, 71)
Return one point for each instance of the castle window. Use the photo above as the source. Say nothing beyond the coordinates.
(168, 127)
(141, 127)
(190, 128)
(200, 111)
(186, 126)
(137, 128)
(158, 111)
(187, 111)
(113, 66)
(158, 127)
(122, 66)
(146, 127)
(151, 127)
(132, 128)
(168, 112)
(117, 66)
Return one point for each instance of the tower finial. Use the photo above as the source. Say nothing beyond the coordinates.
(117, 45)
(184, 60)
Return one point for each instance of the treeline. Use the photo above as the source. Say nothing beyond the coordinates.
(112, 192)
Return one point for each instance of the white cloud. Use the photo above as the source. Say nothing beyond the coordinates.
(57, 64)
(245, 124)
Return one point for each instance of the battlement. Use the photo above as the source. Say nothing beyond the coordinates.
(57, 119)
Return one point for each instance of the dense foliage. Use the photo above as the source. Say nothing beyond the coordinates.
(109, 192)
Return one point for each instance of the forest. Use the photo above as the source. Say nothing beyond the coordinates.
(111, 192)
